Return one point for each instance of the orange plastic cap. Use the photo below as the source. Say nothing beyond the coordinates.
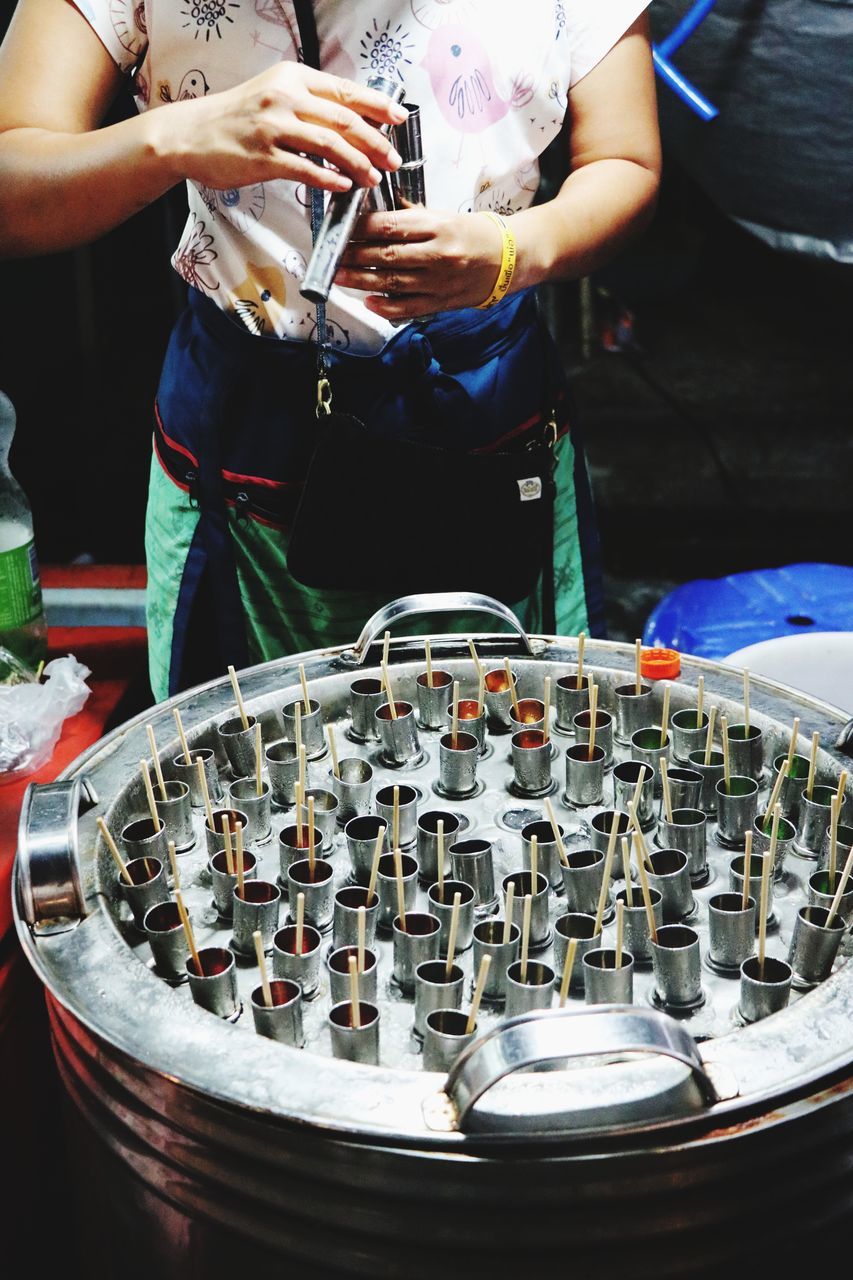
(660, 664)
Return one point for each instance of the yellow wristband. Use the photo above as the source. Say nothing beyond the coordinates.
(509, 257)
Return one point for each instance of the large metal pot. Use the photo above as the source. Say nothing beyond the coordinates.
(644, 1143)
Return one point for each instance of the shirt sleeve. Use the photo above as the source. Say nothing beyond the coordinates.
(120, 27)
(594, 27)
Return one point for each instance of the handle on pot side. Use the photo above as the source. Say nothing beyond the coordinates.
(437, 602)
(48, 865)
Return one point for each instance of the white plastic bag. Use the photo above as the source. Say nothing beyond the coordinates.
(32, 715)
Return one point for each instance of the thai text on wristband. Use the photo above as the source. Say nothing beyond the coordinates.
(509, 257)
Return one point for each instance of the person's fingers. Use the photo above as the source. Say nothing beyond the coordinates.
(297, 168)
(414, 255)
(393, 282)
(408, 308)
(398, 225)
(341, 120)
(367, 102)
(294, 135)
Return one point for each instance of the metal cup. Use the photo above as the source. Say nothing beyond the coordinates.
(531, 762)
(530, 715)
(215, 836)
(822, 891)
(687, 832)
(488, 941)
(408, 812)
(176, 814)
(386, 888)
(498, 698)
(166, 938)
(472, 861)
(603, 982)
(635, 920)
(646, 747)
(571, 701)
(814, 945)
(282, 1020)
(432, 701)
(746, 750)
(633, 710)
(239, 744)
(815, 815)
(361, 836)
(599, 831)
(325, 815)
(685, 788)
(428, 843)
(298, 966)
(625, 779)
(435, 989)
(141, 839)
(793, 785)
(686, 735)
(540, 932)
(214, 986)
(736, 871)
(471, 722)
(256, 909)
(413, 945)
(366, 697)
(339, 980)
(188, 773)
(736, 808)
(283, 769)
(443, 912)
(457, 764)
(348, 903)
(149, 887)
(844, 840)
(224, 882)
(603, 732)
(785, 836)
(352, 788)
(355, 1044)
(446, 1035)
(547, 851)
(710, 774)
(318, 887)
(581, 927)
(670, 875)
(763, 993)
(243, 795)
(294, 848)
(582, 881)
(535, 991)
(399, 737)
(311, 724)
(731, 930)
(677, 965)
(585, 775)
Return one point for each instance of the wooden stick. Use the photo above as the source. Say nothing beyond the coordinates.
(485, 965)
(182, 736)
(835, 814)
(439, 830)
(259, 782)
(839, 791)
(454, 726)
(667, 794)
(555, 827)
(113, 848)
(428, 649)
(374, 866)
(205, 793)
(774, 797)
(401, 896)
(626, 869)
(149, 792)
(762, 924)
(362, 937)
(303, 768)
(747, 867)
(475, 658)
(312, 855)
(262, 965)
(241, 879)
(839, 892)
(534, 863)
(386, 643)
(605, 883)
(306, 699)
(300, 921)
(333, 750)
(620, 933)
(792, 749)
(173, 863)
(638, 667)
(593, 718)
(481, 691)
(299, 797)
(451, 938)
(700, 701)
(297, 736)
(155, 760)
(389, 693)
(395, 819)
(647, 897)
(525, 935)
(510, 901)
(709, 741)
(746, 701)
(813, 763)
(546, 721)
(238, 697)
(639, 838)
(568, 966)
(724, 738)
(188, 933)
(355, 1002)
(581, 651)
(512, 691)
(664, 720)
(229, 850)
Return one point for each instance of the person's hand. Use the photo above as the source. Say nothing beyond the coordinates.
(267, 127)
(423, 260)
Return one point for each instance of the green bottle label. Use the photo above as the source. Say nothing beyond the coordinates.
(20, 587)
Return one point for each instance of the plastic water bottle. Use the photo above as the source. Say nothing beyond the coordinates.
(23, 629)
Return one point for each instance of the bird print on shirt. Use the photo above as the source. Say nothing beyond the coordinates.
(193, 85)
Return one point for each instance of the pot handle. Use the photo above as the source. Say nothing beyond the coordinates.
(548, 1035)
(48, 864)
(439, 602)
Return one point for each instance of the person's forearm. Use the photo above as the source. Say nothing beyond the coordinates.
(599, 209)
(60, 190)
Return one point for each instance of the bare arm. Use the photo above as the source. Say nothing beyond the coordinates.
(64, 181)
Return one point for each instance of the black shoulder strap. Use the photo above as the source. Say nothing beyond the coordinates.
(308, 38)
